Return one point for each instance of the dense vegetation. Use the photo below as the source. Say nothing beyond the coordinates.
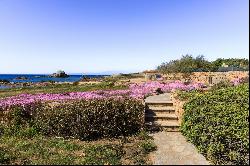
(216, 122)
(188, 64)
(184, 96)
(73, 132)
(82, 119)
(233, 62)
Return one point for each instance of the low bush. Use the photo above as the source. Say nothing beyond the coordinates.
(110, 79)
(187, 95)
(76, 83)
(244, 80)
(148, 146)
(222, 84)
(217, 124)
(83, 119)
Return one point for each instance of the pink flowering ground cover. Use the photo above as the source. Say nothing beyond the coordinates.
(138, 91)
(237, 81)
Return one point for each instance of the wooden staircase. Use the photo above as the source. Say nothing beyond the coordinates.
(160, 113)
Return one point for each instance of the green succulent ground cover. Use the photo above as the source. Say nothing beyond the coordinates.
(216, 122)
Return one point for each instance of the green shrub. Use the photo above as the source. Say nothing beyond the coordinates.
(148, 146)
(217, 124)
(5, 157)
(222, 84)
(143, 135)
(187, 95)
(89, 119)
(110, 79)
(75, 83)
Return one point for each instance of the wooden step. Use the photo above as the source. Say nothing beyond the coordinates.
(161, 117)
(163, 104)
(165, 125)
(160, 112)
(150, 101)
(155, 110)
(164, 108)
(171, 129)
(168, 123)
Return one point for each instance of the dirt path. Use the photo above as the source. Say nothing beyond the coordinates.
(173, 149)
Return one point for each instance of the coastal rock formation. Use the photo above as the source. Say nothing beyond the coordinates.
(4, 81)
(59, 74)
(21, 78)
(90, 79)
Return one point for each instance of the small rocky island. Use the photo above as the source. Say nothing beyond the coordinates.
(59, 74)
(21, 78)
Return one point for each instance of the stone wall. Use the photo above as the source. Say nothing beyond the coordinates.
(178, 105)
(152, 76)
(207, 77)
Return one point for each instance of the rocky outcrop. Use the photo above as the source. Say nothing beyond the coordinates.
(4, 81)
(21, 78)
(59, 74)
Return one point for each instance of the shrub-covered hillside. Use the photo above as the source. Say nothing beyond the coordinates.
(217, 124)
(188, 63)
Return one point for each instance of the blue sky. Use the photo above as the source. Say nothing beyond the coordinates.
(93, 36)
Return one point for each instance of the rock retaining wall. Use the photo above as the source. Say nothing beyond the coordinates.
(207, 77)
(178, 105)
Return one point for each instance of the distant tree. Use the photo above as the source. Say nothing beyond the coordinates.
(186, 64)
(231, 62)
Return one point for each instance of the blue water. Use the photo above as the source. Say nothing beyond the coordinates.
(41, 78)
(4, 87)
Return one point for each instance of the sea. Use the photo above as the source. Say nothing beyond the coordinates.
(33, 78)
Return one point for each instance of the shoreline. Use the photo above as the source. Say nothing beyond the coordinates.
(8, 81)
(11, 85)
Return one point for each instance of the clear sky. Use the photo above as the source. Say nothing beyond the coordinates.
(92, 36)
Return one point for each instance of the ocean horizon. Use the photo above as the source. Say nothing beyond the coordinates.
(44, 77)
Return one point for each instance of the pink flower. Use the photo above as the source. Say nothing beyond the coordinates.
(137, 91)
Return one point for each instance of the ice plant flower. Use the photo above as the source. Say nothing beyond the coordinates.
(137, 91)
